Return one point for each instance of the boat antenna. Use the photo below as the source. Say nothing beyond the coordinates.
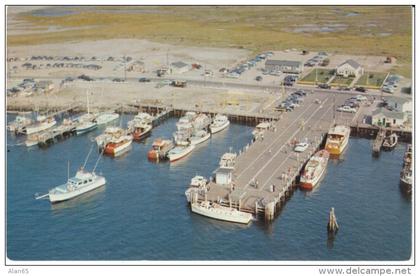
(97, 161)
(87, 157)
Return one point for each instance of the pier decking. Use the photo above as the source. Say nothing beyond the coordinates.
(265, 170)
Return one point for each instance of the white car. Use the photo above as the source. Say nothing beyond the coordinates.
(346, 108)
(361, 98)
(301, 147)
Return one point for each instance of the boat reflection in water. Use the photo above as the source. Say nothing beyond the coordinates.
(90, 198)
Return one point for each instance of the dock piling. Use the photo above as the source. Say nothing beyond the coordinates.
(332, 222)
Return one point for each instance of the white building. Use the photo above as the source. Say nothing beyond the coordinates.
(179, 67)
(387, 118)
(349, 68)
(399, 104)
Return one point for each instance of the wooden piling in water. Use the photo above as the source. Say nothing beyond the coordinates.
(332, 222)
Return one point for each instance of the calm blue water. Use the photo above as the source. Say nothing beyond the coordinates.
(142, 213)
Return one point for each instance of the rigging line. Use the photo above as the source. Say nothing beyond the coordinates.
(87, 157)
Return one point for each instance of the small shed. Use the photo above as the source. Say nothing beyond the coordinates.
(179, 67)
(224, 176)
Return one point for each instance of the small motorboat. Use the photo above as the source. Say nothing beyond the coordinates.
(390, 142)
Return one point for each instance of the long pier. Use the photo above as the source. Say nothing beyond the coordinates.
(265, 171)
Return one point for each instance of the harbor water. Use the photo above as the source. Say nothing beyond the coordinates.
(142, 213)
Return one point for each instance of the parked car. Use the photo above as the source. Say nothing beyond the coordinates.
(301, 147)
(324, 86)
(118, 80)
(346, 108)
(144, 80)
(258, 78)
(361, 89)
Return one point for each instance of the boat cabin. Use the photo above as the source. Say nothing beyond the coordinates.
(227, 160)
(224, 176)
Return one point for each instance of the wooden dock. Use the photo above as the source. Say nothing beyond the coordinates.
(266, 170)
(377, 143)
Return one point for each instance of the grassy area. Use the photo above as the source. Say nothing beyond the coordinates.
(317, 75)
(342, 81)
(256, 28)
(371, 79)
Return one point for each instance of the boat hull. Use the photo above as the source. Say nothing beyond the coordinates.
(82, 130)
(42, 127)
(117, 149)
(56, 198)
(215, 129)
(139, 135)
(181, 154)
(107, 119)
(200, 140)
(244, 219)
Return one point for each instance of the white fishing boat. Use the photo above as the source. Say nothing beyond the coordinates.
(179, 152)
(160, 149)
(106, 137)
(19, 122)
(337, 139)
(85, 127)
(184, 123)
(260, 129)
(43, 123)
(220, 122)
(202, 121)
(106, 118)
(314, 170)
(198, 185)
(216, 211)
(227, 161)
(86, 122)
(390, 142)
(81, 183)
(181, 137)
(199, 137)
(139, 129)
(144, 117)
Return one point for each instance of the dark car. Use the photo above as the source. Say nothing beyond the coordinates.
(118, 80)
(144, 80)
(324, 86)
(258, 78)
(361, 89)
(85, 77)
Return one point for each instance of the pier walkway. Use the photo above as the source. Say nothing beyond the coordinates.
(266, 169)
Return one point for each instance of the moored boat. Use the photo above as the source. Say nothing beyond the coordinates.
(337, 139)
(314, 170)
(140, 130)
(118, 145)
(42, 124)
(199, 137)
(19, 123)
(86, 126)
(81, 183)
(216, 211)
(202, 121)
(219, 123)
(160, 149)
(107, 136)
(106, 118)
(198, 185)
(390, 142)
(179, 152)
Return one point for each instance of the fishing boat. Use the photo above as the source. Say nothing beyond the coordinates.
(199, 137)
(216, 211)
(219, 123)
(86, 122)
(160, 149)
(139, 129)
(81, 183)
(144, 117)
(86, 126)
(260, 129)
(43, 123)
(107, 136)
(118, 145)
(184, 123)
(406, 178)
(227, 161)
(337, 139)
(202, 121)
(19, 123)
(179, 152)
(314, 170)
(390, 142)
(198, 185)
(181, 137)
(106, 118)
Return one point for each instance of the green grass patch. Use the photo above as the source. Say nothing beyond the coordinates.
(317, 75)
(371, 79)
(342, 81)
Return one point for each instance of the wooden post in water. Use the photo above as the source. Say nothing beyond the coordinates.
(332, 222)
(269, 211)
